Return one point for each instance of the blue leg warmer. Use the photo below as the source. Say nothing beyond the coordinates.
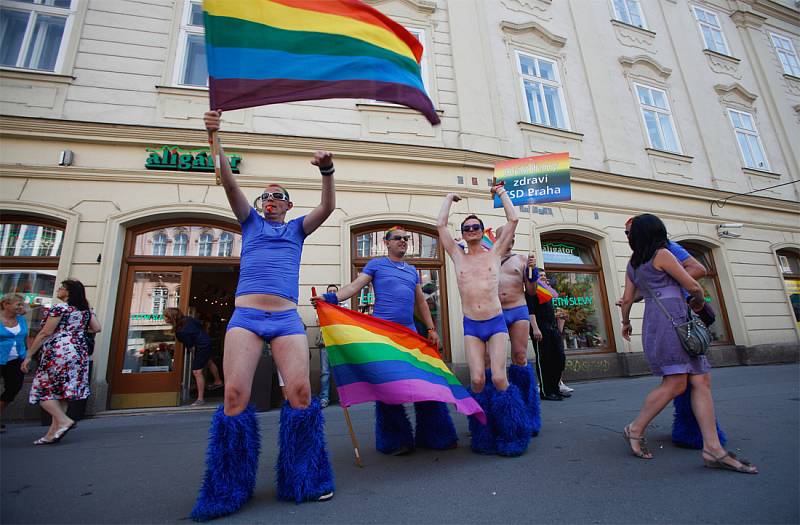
(231, 464)
(483, 441)
(525, 380)
(303, 470)
(685, 430)
(510, 422)
(392, 428)
(435, 427)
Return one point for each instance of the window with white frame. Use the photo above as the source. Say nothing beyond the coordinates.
(419, 34)
(749, 142)
(542, 92)
(191, 68)
(180, 245)
(630, 12)
(225, 248)
(204, 245)
(786, 54)
(159, 244)
(33, 33)
(657, 118)
(711, 30)
(160, 294)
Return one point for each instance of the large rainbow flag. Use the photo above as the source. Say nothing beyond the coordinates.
(377, 360)
(271, 51)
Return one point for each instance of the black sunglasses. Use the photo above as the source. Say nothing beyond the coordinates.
(471, 228)
(276, 195)
(399, 238)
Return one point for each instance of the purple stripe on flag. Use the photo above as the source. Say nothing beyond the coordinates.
(237, 93)
(407, 391)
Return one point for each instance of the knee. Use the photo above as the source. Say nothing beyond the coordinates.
(678, 387)
(519, 358)
(236, 400)
(478, 383)
(500, 381)
(299, 396)
(701, 382)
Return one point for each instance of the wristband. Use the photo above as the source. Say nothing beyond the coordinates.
(327, 171)
(330, 297)
(500, 193)
(431, 329)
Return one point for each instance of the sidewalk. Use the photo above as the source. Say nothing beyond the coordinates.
(147, 468)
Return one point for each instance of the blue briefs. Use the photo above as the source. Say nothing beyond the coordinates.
(483, 330)
(518, 313)
(267, 325)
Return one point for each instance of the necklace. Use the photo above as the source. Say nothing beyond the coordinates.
(401, 266)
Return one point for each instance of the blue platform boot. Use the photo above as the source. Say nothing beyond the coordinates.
(435, 427)
(482, 440)
(685, 430)
(231, 464)
(525, 380)
(510, 422)
(393, 434)
(303, 470)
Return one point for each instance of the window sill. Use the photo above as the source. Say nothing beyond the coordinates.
(624, 25)
(554, 132)
(791, 78)
(714, 54)
(182, 90)
(390, 108)
(32, 74)
(761, 173)
(669, 155)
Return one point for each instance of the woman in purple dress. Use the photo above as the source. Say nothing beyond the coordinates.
(654, 270)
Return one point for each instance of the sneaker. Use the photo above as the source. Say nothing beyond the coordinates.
(564, 388)
(198, 403)
(326, 497)
(323, 403)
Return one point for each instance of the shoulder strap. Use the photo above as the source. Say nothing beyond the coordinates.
(654, 296)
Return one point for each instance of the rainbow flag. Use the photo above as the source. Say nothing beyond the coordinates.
(545, 292)
(377, 360)
(272, 51)
(487, 242)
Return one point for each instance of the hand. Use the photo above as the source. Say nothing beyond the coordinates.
(627, 330)
(453, 197)
(25, 366)
(212, 120)
(323, 159)
(496, 187)
(537, 334)
(696, 304)
(532, 261)
(315, 299)
(433, 338)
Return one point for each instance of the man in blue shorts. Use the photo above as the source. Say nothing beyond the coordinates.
(266, 310)
(478, 273)
(397, 295)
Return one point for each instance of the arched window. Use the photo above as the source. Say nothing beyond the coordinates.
(789, 261)
(160, 294)
(720, 330)
(225, 245)
(160, 244)
(181, 244)
(573, 267)
(204, 245)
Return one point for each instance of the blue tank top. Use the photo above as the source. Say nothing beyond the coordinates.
(395, 285)
(271, 252)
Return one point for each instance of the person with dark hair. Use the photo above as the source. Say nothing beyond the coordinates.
(63, 372)
(266, 310)
(549, 346)
(509, 428)
(654, 270)
(13, 339)
(190, 333)
(398, 295)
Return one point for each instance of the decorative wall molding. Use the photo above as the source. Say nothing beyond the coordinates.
(792, 85)
(747, 19)
(774, 9)
(537, 8)
(645, 66)
(723, 64)
(632, 36)
(735, 94)
(36, 76)
(427, 7)
(535, 29)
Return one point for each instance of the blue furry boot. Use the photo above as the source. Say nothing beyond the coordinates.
(685, 430)
(393, 434)
(483, 441)
(509, 422)
(303, 471)
(524, 379)
(435, 427)
(231, 464)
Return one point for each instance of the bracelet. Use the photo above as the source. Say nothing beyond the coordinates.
(327, 171)
(431, 329)
(500, 193)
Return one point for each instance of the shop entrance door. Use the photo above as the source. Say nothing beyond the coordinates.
(150, 363)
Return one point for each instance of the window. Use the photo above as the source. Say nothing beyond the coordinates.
(541, 89)
(657, 119)
(787, 54)
(419, 34)
(225, 245)
(204, 245)
(790, 268)
(160, 244)
(30, 240)
(748, 140)
(720, 329)
(32, 33)
(190, 66)
(160, 294)
(711, 30)
(154, 242)
(181, 244)
(630, 12)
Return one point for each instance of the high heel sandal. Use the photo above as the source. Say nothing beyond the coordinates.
(643, 453)
(719, 462)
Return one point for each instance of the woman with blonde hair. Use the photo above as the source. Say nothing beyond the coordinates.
(190, 333)
(13, 347)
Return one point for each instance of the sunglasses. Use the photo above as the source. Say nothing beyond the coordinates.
(399, 238)
(471, 228)
(276, 195)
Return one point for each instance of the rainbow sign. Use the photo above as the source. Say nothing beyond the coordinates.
(534, 180)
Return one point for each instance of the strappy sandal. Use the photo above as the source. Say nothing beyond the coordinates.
(745, 466)
(643, 452)
(62, 432)
(43, 441)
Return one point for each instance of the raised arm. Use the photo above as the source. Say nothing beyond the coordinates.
(503, 243)
(324, 161)
(445, 237)
(421, 307)
(236, 198)
(47, 330)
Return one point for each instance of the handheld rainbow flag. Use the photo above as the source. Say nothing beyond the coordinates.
(488, 239)
(377, 360)
(271, 51)
(545, 292)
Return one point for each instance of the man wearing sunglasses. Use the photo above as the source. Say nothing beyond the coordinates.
(398, 294)
(477, 271)
(266, 310)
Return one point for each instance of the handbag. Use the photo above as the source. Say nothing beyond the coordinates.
(693, 334)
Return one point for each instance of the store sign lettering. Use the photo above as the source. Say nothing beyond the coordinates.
(566, 301)
(563, 249)
(147, 317)
(172, 158)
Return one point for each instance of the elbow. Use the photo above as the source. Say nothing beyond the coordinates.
(513, 220)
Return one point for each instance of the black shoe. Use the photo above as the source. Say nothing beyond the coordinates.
(565, 394)
(553, 397)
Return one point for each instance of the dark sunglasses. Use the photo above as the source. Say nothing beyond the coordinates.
(471, 228)
(399, 238)
(276, 195)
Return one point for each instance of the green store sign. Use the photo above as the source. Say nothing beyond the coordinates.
(560, 248)
(566, 301)
(147, 317)
(173, 158)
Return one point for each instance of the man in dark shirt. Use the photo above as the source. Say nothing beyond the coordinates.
(549, 349)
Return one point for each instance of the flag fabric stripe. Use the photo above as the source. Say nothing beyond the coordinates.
(278, 15)
(360, 353)
(377, 373)
(226, 32)
(407, 391)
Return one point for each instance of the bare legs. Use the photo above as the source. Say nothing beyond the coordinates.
(240, 360)
(57, 408)
(212, 367)
(201, 385)
(476, 351)
(518, 332)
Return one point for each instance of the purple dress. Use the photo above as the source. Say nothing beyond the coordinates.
(662, 348)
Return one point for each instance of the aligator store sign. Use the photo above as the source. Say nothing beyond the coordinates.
(559, 252)
(173, 158)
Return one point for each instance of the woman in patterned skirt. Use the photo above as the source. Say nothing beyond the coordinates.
(63, 372)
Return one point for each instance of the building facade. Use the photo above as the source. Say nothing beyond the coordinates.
(686, 109)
